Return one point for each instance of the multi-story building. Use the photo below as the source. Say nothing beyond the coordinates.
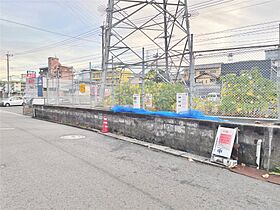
(116, 76)
(55, 69)
(16, 86)
(207, 74)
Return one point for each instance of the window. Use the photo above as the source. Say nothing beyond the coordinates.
(212, 80)
(201, 72)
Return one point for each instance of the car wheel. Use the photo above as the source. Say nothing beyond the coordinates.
(7, 104)
(23, 104)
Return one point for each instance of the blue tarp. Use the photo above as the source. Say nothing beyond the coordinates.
(194, 114)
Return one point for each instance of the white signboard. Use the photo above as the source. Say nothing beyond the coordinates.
(224, 142)
(149, 100)
(181, 102)
(136, 101)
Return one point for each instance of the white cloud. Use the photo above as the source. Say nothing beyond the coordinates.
(75, 17)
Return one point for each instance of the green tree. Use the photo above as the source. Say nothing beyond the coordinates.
(247, 94)
(164, 94)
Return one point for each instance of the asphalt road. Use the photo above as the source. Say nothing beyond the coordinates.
(41, 170)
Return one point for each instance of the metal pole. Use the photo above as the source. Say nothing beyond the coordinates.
(143, 78)
(8, 73)
(190, 47)
(72, 91)
(107, 41)
(278, 76)
(113, 82)
(8, 76)
(191, 79)
(90, 85)
(166, 41)
(47, 92)
(57, 87)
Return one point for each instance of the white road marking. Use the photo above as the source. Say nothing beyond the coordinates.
(73, 137)
(6, 129)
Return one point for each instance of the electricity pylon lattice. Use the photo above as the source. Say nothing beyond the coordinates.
(161, 27)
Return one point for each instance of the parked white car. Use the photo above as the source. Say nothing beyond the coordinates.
(215, 97)
(13, 101)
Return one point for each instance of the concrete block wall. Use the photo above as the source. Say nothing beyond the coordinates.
(193, 136)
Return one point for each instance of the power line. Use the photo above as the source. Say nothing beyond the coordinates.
(238, 3)
(240, 28)
(60, 43)
(42, 29)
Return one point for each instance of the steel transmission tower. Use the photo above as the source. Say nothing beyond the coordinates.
(160, 26)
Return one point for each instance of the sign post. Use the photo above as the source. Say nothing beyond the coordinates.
(149, 100)
(181, 102)
(136, 101)
(82, 88)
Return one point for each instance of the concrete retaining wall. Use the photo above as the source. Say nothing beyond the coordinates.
(193, 136)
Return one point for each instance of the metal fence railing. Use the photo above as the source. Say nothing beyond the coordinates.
(240, 83)
(237, 83)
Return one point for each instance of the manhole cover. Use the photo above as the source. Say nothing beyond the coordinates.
(70, 137)
(3, 165)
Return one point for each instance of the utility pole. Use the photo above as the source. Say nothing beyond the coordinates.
(103, 64)
(90, 84)
(8, 72)
(106, 45)
(143, 78)
(102, 45)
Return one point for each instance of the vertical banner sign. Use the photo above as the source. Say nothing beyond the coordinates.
(30, 88)
(31, 74)
(95, 92)
(136, 101)
(40, 86)
(82, 88)
(181, 102)
(224, 142)
(149, 100)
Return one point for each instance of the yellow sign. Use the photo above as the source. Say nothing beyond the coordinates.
(82, 88)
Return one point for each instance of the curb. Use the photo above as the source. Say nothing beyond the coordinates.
(165, 149)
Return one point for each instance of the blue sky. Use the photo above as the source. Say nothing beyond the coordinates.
(74, 17)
